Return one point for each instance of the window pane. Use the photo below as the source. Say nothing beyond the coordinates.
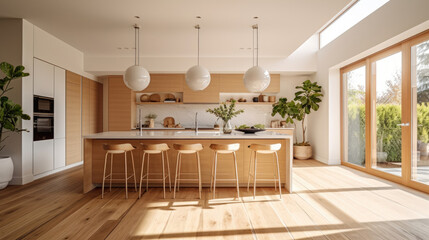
(354, 116)
(348, 19)
(420, 123)
(388, 114)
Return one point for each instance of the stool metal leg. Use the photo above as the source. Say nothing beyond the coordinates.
(275, 174)
(199, 174)
(111, 171)
(147, 172)
(163, 173)
(236, 174)
(126, 175)
(278, 174)
(134, 171)
(104, 175)
(214, 178)
(254, 175)
(175, 177)
(141, 176)
(168, 170)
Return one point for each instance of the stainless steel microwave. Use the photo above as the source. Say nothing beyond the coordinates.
(43, 104)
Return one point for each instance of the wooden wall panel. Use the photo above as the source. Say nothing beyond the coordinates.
(119, 104)
(208, 95)
(233, 83)
(95, 107)
(73, 118)
(166, 83)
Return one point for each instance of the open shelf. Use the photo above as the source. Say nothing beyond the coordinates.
(253, 103)
(151, 103)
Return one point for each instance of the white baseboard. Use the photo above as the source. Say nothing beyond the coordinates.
(21, 180)
(57, 170)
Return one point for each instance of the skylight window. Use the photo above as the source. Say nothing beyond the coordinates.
(358, 11)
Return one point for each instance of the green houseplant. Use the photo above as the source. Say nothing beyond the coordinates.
(306, 100)
(226, 113)
(10, 114)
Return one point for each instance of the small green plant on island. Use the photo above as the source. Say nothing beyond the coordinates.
(10, 112)
(225, 112)
(307, 99)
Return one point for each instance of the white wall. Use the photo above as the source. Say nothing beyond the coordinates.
(395, 21)
(11, 52)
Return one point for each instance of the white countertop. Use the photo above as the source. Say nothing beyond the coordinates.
(168, 134)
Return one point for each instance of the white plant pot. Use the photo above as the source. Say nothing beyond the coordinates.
(6, 171)
(302, 152)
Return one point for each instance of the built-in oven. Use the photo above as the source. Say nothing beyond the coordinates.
(43, 126)
(43, 104)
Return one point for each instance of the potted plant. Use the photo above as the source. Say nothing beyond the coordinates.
(226, 113)
(151, 118)
(307, 99)
(10, 114)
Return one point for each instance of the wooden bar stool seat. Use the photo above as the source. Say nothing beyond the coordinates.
(224, 149)
(187, 149)
(149, 149)
(113, 149)
(264, 149)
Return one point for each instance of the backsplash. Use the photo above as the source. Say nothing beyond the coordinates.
(185, 114)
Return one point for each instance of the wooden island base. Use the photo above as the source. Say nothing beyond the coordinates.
(94, 162)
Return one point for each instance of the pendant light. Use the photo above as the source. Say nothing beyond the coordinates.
(197, 77)
(256, 79)
(136, 77)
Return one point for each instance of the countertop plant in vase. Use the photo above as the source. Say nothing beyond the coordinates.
(10, 114)
(306, 100)
(226, 113)
(151, 118)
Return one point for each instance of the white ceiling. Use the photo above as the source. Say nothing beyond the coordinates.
(99, 27)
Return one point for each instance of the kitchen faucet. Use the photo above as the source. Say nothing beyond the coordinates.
(196, 123)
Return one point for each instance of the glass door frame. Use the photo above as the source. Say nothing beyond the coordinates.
(370, 118)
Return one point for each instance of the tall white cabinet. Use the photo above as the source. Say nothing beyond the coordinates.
(50, 81)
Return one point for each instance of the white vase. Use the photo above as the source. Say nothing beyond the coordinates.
(6, 171)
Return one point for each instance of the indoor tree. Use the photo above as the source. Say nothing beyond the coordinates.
(307, 99)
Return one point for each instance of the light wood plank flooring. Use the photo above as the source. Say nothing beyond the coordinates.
(330, 202)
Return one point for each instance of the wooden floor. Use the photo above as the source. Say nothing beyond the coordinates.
(330, 202)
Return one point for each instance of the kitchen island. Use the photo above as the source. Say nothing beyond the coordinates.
(94, 155)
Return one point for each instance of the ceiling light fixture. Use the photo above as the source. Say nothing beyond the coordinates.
(198, 77)
(136, 77)
(256, 79)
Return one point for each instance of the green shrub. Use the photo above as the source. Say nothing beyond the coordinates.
(388, 132)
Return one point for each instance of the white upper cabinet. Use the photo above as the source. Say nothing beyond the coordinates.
(43, 78)
(60, 103)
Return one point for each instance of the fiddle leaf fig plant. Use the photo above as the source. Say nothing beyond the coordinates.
(10, 112)
(307, 99)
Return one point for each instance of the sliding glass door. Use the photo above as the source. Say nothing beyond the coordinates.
(385, 113)
(387, 122)
(420, 112)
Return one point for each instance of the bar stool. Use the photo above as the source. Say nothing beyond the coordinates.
(224, 149)
(148, 149)
(118, 149)
(264, 149)
(187, 149)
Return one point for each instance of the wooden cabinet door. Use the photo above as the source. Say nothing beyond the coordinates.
(233, 83)
(95, 107)
(208, 95)
(73, 118)
(119, 104)
(85, 106)
(165, 83)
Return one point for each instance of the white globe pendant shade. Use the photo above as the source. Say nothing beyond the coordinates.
(197, 78)
(256, 79)
(136, 78)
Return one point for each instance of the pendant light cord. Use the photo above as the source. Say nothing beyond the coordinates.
(198, 48)
(255, 27)
(136, 45)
